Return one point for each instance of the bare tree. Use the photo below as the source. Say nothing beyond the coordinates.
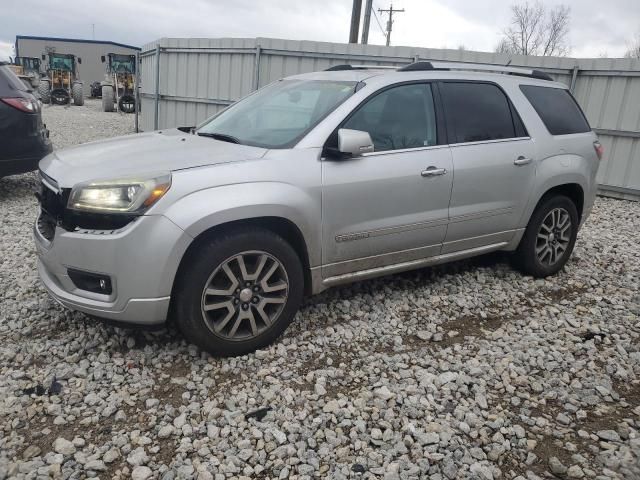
(535, 30)
(634, 48)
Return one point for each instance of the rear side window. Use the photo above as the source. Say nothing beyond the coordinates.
(557, 108)
(478, 112)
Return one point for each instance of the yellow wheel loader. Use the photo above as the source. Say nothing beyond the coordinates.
(119, 85)
(61, 83)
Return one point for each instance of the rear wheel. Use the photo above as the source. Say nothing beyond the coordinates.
(239, 292)
(44, 89)
(77, 93)
(549, 238)
(107, 98)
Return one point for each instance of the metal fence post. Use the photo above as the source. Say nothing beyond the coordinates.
(157, 96)
(137, 92)
(256, 68)
(574, 76)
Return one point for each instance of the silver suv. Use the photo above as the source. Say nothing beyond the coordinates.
(313, 181)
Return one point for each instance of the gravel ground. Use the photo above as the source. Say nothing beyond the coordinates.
(469, 370)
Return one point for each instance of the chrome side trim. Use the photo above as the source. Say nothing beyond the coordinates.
(483, 214)
(380, 260)
(347, 237)
(403, 150)
(404, 266)
(390, 230)
(483, 142)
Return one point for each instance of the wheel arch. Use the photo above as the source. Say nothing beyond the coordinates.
(574, 191)
(281, 226)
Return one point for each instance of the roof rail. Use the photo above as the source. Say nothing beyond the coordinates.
(522, 72)
(337, 68)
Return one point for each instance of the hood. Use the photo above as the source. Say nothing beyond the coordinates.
(120, 157)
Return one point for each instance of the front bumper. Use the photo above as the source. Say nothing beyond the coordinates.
(141, 260)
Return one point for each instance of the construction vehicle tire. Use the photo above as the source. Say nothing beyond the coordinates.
(44, 90)
(77, 94)
(107, 98)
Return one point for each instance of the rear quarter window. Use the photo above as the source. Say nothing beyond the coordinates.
(557, 109)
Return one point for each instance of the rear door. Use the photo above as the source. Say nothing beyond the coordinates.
(493, 160)
(391, 205)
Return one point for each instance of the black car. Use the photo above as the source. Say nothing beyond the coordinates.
(23, 136)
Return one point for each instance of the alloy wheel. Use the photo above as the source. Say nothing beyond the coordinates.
(554, 236)
(245, 295)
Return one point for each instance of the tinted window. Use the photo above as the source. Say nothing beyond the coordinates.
(397, 118)
(477, 112)
(557, 109)
(9, 81)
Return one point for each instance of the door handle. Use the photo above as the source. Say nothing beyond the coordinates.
(433, 172)
(522, 161)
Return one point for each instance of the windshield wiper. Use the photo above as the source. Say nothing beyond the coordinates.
(220, 136)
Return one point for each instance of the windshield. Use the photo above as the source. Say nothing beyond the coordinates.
(279, 115)
(28, 63)
(61, 63)
(122, 64)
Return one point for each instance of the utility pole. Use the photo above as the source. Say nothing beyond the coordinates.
(367, 22)
(93, 31)
(390, 11)
(355, 21)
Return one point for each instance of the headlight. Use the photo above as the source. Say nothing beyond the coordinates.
(129, 195)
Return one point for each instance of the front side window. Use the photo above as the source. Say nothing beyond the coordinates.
(279, 115)
(477, 112)
(397, 118)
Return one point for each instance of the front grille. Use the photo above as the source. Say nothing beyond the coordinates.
(52, 205)
(46, 226)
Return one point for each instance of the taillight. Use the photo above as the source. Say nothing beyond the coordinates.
(23, 104)
(597, 146)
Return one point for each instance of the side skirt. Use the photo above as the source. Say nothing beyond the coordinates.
(320, 284)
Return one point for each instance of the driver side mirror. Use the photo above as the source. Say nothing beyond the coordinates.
(102, 59)
(354, 142)
(79, 60)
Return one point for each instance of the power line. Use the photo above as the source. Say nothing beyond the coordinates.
(390, 11)
(375, 15)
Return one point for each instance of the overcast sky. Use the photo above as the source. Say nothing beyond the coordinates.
(597, 27)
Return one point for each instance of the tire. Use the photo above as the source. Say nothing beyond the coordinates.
(107, 98)
(548, 241)
(77, 94)
(44, 90)
(127, 103)
(206, 279)
(60, 96)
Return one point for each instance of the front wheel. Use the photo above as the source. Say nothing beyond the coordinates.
(238, 292)
(549, 238)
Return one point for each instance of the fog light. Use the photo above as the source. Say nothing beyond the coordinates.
(91, 282)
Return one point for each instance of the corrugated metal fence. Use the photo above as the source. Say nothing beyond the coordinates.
(196, 77)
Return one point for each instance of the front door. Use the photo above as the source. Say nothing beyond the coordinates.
(391, 205)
